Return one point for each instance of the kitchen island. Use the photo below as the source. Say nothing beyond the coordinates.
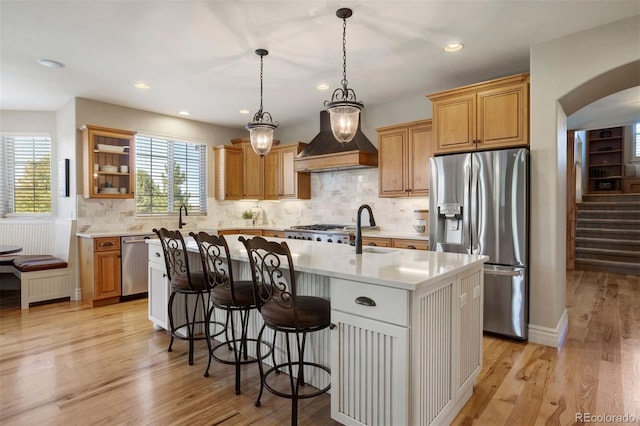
(405, 346)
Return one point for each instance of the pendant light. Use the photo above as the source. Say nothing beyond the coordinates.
(262, 128)
(344, 109)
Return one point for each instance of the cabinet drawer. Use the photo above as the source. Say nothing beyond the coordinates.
(390, 304)
(411, 244)
(106, 244)
(155, 255)
(376, 241)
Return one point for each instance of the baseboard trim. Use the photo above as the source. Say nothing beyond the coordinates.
(550, 336)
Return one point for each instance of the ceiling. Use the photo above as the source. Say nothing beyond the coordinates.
(199, 55)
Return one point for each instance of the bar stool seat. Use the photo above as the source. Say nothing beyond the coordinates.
(313, 313)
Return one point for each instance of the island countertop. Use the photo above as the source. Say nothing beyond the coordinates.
(390, 267)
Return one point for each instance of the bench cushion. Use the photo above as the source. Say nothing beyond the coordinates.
(38, 263)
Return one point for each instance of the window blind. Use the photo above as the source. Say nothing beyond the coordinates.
(25, 180)
(636, 142)
(168, 174)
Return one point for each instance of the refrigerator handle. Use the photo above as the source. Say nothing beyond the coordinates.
(475, 208)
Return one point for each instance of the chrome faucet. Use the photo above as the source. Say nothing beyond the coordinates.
(372, 222)
(186, 213)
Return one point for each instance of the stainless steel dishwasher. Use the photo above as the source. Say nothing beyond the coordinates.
(134, 264)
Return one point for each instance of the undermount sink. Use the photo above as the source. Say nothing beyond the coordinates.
(375, 250)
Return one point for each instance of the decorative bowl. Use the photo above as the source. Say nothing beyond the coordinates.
(111, 148)
(109, 190)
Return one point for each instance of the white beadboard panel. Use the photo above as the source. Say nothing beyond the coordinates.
(470, 347)
(33, 237)
(44, 285)
(433, 351)
(369, 371)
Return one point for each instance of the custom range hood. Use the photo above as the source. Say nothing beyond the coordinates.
(324, 153)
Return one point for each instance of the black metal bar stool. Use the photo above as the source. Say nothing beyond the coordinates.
(284, 311)
(231, 296)
(184, 281)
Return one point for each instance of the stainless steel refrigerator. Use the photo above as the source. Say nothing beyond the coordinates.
(479, 204)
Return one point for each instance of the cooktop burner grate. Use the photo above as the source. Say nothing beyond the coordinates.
(318, 227)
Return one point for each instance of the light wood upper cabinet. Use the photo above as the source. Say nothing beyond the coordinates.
(404, 152)
(252, 171)
(228, 172)
(242, 174)
(108, 162)
(281, 181)
(488, 115)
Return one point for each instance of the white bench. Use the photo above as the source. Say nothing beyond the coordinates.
(40, 238)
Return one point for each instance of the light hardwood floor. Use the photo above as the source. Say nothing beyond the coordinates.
(66, 363)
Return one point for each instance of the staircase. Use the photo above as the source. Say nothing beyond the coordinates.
(608, 233)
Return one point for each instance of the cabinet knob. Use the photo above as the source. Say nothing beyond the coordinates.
(332, 326)
(411, 247)
(157, 254)
(164, 275)
(365, 301)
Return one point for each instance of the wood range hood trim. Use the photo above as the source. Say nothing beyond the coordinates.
(324, 153)
(347, 160)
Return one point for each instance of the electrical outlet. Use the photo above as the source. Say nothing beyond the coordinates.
(463, 300)
(476, 292)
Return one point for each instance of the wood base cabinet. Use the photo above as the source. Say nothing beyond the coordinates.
(488, 115)
(404, 152)
(100, 266)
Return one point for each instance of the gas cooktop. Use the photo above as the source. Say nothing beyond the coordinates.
(319, 227)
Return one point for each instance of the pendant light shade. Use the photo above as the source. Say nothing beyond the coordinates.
(344, 109)
(262, 128)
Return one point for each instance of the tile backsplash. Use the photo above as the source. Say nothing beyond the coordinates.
(336, 197)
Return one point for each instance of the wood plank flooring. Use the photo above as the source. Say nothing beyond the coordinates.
(66, 363)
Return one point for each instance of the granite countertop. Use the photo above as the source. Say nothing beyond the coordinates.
(185, 231)
(390, 267)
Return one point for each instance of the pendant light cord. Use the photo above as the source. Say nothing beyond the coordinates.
(344, 54)
(261, 84)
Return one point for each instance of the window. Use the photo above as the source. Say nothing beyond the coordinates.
(25, 175)
(168, 174)
(636, 142)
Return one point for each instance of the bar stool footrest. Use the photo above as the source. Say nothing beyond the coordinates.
(231, 360)
(276, 370)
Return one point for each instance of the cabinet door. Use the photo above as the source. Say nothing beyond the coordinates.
(158, 294)
(288, 177)
(419, 152)
(369, 371)
(392, 173)
(228, 173)
(253, 172)
(107, 274)
(454, 121)
(503, 117)
(272, 177)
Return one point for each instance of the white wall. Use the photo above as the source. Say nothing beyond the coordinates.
(558, 67)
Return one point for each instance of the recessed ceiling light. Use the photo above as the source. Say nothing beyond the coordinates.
(141, 85)
(184, 113)
(244, 111)
(50, 63)
(454, 46)
(323, 86)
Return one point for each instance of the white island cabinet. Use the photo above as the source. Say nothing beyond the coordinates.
(405, 342)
